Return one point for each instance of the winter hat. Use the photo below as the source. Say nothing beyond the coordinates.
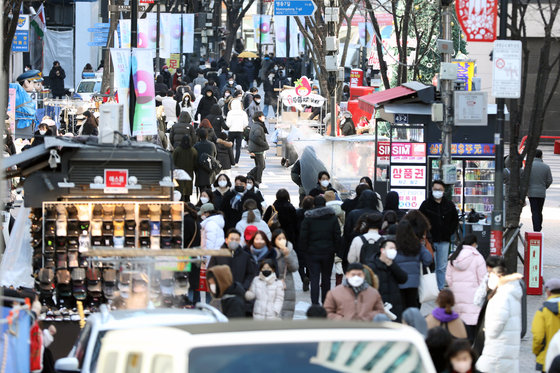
(250, 232)
(207, 207)
(224, 278)
(552, 284)
(353, 266)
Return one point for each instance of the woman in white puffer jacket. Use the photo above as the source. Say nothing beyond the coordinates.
(502, 325)
(236, 121)
(267, 292)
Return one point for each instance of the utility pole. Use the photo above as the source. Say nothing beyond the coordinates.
(446, 88)
(331, 16)
(158, 12)
(497, 226)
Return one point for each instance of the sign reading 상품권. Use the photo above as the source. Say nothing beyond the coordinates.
(408, 176)
(506, 71)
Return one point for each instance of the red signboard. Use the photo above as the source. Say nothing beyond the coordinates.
(116, 179)
(356, 78)
(402, 152)
(478, 19)
(533, 263)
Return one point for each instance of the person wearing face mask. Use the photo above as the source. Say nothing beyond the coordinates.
(287, 264)
(270, 95)
(236, 121)
(242, 267)
(39, 135)
(465, 272)
(253, 187)
(354, 299)
(206, 196)
(253, 107)
(230, 84)
(390, 275)
(221, 186)
(205, 105)
(231, 294)
(167, 79)
(258, 146)
(323, 184)
(212, 228)
(502, 324)
(461, 358)
(232, 203)
(267, 291)
(442, 214)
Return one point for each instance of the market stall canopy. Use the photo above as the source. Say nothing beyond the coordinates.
(412, 92)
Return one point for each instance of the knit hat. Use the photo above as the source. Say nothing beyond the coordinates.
(224, 278)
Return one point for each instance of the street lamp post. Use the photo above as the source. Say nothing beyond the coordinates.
(446, 91)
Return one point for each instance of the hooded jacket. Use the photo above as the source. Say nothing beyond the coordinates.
(224, 154)
(390, 277)
(367, 204)
(216, 119)
(502, 330)
(212, 232)
(320, 232)
(347, 303)
(242, 267)
(181, 128)
(463, 277)
(392, 203)
(231, 293)
(259, 223)
(257, 138)
(442, 216)
(203, 177)
(546, 323)
(268, 293)
(205, 104)
(236, 119)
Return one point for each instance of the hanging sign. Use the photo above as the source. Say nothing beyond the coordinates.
(478, 19)
(506, 71)
(301, 96)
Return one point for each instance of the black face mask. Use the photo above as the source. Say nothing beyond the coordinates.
(266, 273)
(239, 189)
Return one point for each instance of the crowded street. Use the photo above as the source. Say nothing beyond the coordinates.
(280, 185)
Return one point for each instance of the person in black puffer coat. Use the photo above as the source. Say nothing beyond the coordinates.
(320, 240)
(205, 104)
(231, 294)
(390, 275)
(287, 215)
(181, 128)
(225, 151)
(204, 178)
(217, 120)
(258, 145)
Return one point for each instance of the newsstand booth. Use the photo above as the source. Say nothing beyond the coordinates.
(409, 161)
(100, 217)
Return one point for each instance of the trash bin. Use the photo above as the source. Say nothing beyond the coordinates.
(556, 146)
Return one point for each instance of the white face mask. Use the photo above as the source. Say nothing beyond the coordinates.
(212, 288)
(204, 200)
(42, 132)
(356, 281)
(325, 183)
(438, 194)
(233, 245)
(222, 183)
(461, 366)
(249, 186)
(231, 82)
(391, 253)
(493, 280)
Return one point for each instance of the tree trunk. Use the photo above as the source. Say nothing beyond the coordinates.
(11, 17)
(230, 41)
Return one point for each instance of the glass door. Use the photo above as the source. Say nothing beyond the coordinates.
(479, 185)
(457, 193)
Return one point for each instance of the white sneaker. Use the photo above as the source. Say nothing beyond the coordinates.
(263, 186)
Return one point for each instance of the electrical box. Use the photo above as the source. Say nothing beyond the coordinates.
(449, 174)
(340, 74)
(445, 46)
(437, 112)
(448, 71)
(110, 120)
(331, 43)
(331, 14)
(331, 63)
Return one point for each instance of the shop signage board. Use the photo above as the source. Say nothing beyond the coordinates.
(410, 198)
(506, 69)
(402, 152)
(533, 266)
(116, 181)
(356, 78)
(20, 42)
(464, 149)
(404, 176)
(294, 8)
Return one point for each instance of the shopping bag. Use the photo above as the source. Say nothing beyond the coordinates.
(202, 280)
(428, 289)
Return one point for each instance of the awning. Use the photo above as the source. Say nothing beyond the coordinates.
(409, 93)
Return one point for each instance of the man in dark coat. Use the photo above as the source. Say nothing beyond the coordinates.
(390, 275)
(258, 146)
(217, 120)
(160, 87)
(442, 214)
(204, 178)
(320, 239)
(167, 79)
(56, 77)
(205, 104)
(181, 128)
(242, 267)
(231, 293)
(232, 203)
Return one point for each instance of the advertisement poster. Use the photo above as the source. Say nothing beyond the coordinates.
(262, 28)
(121, 63)
(408, 176)
(175, 27)
(403, 152)
(145, 122)
(173, 62)
(465, 72)
(410, 198)
(124, 29)
(188, 33)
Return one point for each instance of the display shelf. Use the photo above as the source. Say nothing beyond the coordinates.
(479, 181)
(481, 169)
(479, 195)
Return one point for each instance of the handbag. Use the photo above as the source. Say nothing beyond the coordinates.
(273, 222)
(427, 289)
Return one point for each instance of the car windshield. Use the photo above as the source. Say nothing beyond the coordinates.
(323, 357)
(87, 87)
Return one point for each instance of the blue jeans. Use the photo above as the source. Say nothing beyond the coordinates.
(441, 253)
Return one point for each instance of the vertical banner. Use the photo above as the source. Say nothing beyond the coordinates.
(152, 30)
(262, 28)
(175, 33)
(280, 33)
(366, 33)
(294, 35)
(121, 62)
(12, 110)
(145, 122)
(143, 33)
(188, 33)
(165, 35)
(124, 28)
(478, 19)
(173, 62)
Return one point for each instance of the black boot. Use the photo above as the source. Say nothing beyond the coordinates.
(305, 281)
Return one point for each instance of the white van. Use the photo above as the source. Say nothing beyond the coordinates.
(252, 346)
(87, 88)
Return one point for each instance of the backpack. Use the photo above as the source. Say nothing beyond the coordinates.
(369, 250)
(209, 163)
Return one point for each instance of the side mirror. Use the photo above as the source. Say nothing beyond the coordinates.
(67, 364)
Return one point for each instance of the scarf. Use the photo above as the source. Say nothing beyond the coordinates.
(235, 200)
(356, 290)
(441, 316)
(258, 254)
